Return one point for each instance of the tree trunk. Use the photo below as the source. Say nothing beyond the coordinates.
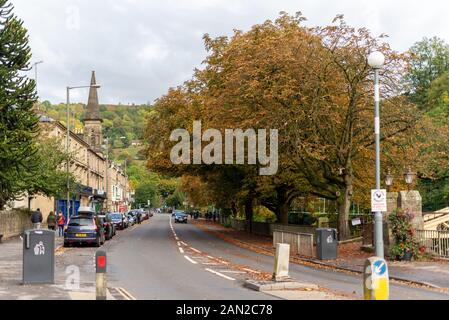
(344, 205)
(283, 206)
(249, 206)
(283, 213)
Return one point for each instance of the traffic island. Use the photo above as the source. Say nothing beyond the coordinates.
(278, 285)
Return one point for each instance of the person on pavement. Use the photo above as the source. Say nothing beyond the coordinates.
(139, 216)
(61, 223)
(36, 219)
(51, 221)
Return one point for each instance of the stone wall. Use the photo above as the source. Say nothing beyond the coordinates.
(14, 222)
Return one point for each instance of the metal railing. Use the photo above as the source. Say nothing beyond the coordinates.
(435, 242)
(300, 243)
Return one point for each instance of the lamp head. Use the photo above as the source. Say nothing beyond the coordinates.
(376, 59)
(388, 179)
(409, 176)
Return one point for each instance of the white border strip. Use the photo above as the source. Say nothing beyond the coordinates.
(220, 274)
(196, 250)
(191, 260)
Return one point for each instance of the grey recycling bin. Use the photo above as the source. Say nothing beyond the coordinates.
(326, 243)
(38, 257)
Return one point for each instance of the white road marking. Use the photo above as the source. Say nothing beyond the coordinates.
(177, 239)
(197, 251)
(250, 270)
(181, 250)
(179, 244)
(224, 262)
(191, 260)
(210, 257)
(211, 264)
(232, 271)
(126, 294)
(185, 244)
(220, 274)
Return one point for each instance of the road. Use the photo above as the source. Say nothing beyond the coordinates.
(148, 263)
(159, 260)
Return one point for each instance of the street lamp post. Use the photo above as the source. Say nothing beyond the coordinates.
(68, 141)
(35, 71)
(376, 60)
(126, 180)
(106, 147)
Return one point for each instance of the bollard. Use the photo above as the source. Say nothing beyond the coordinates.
(375, 279)
(100, 274)
(281, 262)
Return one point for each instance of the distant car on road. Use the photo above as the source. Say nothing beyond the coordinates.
(180, 217)
(177, 211)
(84, 229)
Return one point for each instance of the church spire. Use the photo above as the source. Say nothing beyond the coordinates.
(92, 119)
(93, 108)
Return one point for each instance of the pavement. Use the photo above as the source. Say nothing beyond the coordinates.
(256, 250)
(74, 275)
(433, 272)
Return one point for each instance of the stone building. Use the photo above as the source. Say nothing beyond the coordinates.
(100, 182)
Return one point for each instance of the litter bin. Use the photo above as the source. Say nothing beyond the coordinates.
(326, 243)
(38, 257)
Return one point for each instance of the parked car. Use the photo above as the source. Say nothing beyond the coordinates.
(125, 221)
(180, 217)
(84, 229)
(145, 215)
(118, 220)
(131, 218)
(109, 226)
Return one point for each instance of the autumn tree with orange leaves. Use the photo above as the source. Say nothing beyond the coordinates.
(312, 84)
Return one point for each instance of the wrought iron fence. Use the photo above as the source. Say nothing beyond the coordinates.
(435, 242)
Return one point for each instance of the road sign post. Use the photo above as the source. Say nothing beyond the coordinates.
(378, 205)
(375, 279)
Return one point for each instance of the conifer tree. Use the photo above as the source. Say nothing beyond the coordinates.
(18, 122)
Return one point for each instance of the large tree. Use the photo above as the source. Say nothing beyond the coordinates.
(312, 84)
(18, 122)
(429, 60)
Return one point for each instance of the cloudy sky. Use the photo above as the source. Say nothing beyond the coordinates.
(140, 48)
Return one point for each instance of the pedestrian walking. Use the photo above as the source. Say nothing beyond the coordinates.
(51, 221)
(61, 223)
(36, 219)
(139, 217)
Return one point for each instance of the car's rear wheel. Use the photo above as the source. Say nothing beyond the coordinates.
(98, 242)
